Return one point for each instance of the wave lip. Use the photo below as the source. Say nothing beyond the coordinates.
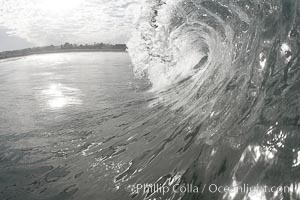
(172, 43)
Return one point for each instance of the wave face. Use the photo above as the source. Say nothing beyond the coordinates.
(226, 77)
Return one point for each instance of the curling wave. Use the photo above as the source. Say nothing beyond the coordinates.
(226, 77)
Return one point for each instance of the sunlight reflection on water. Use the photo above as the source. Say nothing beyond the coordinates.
(58, 96)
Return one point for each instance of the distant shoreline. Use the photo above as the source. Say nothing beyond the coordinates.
(60, 51)
(64, 48)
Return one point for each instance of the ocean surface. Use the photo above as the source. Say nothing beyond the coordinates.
(209, 109)
(57, 114)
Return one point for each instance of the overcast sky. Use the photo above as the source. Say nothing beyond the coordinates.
(25, 23)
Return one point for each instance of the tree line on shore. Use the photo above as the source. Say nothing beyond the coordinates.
(63, 48)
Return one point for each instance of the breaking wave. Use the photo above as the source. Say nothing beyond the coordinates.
(225, 74)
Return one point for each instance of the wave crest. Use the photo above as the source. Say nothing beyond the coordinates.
(211, 60)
